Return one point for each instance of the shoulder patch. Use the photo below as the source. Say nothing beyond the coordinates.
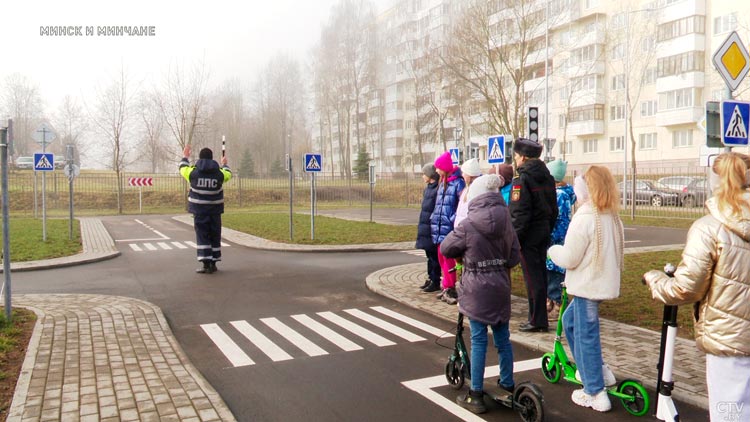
(515, 193)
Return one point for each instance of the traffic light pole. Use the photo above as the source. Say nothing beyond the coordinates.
(6, 226)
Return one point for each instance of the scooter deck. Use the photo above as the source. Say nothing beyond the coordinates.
(500, 396)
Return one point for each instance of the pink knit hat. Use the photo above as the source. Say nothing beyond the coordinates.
(444, 162)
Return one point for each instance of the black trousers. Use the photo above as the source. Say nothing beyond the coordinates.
(208, 236)
(433, 266)
(533, 264)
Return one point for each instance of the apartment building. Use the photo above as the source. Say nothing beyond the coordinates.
(599, 71)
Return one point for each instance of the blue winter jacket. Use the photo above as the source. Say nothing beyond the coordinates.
(424, 236)
(441, 221)
(565, 200)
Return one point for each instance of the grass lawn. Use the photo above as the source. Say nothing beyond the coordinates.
(14, 338)
(26, 239)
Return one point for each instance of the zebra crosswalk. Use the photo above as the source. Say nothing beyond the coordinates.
(315, 335)
(415, 252)
(165, 246)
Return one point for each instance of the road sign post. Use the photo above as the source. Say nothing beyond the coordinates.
(6, 225)
(313, 164)
(44, 135)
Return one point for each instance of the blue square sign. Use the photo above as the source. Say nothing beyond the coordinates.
(734, 122)
(496, 149)
(454, 155)
(44, 161)
(313, 163)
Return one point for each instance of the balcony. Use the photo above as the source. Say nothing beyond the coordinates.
(394, 115)
(393, 134)
(391, 152)
(682, 9)
(679, 116)
(586, 97)
(683, 44)
(586, 127)
(534, 84)
(597, 67)
(683, 80)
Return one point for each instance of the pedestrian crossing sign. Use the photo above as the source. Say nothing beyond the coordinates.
(496, 149)
(454, 155)
(313, 163)
(735, 116)
(44, 161)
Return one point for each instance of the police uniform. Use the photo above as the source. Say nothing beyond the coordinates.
(206, 203)
(533, 210)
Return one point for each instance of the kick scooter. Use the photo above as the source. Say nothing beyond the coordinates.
(526, 399)
(665, 408)
(556, 365)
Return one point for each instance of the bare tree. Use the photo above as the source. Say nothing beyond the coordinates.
(229, 116)
(71, 123)
(183, 101)
(111, 118)
(153, 148)
(20, 100)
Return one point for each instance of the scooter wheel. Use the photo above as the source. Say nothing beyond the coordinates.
(530, 407)
(637, 402)
(551, 373)
(454, 374)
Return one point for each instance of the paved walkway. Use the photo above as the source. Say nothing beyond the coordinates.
(95, 357)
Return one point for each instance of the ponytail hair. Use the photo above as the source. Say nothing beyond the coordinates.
(731, 169)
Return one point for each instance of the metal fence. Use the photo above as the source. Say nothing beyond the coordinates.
(96, 192)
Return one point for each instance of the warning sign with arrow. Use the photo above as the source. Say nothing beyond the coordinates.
(734, 122)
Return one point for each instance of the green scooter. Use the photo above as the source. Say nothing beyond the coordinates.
(556, 365)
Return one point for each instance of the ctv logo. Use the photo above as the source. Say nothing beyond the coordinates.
(730, 410)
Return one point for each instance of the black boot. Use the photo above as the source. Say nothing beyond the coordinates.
(205, 269)
(213, 267)
(432, 287)
(473, 401)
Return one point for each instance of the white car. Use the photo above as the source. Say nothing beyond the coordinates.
(25, 162)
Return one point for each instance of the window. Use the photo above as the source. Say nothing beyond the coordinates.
(561, 120)
(616, 143)
(617, 112)
(618, 51)
(649, 76)
(648, 43)
(586, 82)
(564, 93)
(680, 98)
(725, 23)
(648, 108)
(585, 113)
(691, 61)
(682, 138)
(584, 54)
(617, 21)
(588, 4)
(618, 82)
(589, 145)
(566, 147)
(677, 28)
(647, 141)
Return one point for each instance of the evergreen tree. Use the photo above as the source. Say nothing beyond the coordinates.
(362, 164)
(277, 170)
(247, 166)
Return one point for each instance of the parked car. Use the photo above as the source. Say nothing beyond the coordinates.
(650, 192)
(695, 193)
(59, 161)
(25, 162)
(677, 183)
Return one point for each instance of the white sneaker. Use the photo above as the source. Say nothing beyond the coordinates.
(599, 402)
(609, 377)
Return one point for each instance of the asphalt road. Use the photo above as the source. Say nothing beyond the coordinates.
(274, 374)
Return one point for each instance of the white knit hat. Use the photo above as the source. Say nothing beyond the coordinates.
(471, 168)
(484, 184)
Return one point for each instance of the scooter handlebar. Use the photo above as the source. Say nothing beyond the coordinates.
(669, 269)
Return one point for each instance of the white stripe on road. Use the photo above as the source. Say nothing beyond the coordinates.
(224, 244)
(150, 246)
(398, 331)
(325, 332)
(294, 337)
(164, 245)
(413, 322)
(227, 346)
(632, 241)
(179, 245)
(357, 329)
(262, 342)
(191, 244)
(135, 247)
(425, 386)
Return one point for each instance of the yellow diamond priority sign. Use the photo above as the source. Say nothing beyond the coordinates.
(732, 61)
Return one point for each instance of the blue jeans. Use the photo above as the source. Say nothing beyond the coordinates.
(581, 322)
(501, 336)
(554, 288)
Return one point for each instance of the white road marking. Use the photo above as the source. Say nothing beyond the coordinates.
(330, 335)
(135, 247)
(179, 245)
(227, 346)
(164, 245)
(191, 244)
(150, 246)
(425, 386)
(413, 322)
(224, 244)
(161, 235)
(363, 332)
(262, 342)
(398, 331)
(294, 337)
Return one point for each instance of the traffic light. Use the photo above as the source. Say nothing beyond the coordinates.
(534, 123)
(713, 125)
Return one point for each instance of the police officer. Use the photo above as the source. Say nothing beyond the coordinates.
(533, 210)
(206, 203)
